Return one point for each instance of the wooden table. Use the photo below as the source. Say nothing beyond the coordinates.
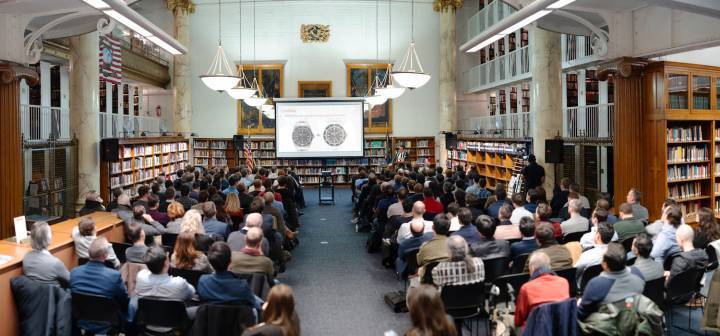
(62, 246)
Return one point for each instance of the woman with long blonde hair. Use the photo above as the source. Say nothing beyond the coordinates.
(234, 210)
(279, 314)
(175, 212)
(192, 223)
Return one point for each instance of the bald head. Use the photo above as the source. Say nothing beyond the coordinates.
(684, 235)
(418, 209)
(417, 227)
(537, 261)
(457, 247)
(123, 199)
(98, 249)
(253, 238)
(254, 220)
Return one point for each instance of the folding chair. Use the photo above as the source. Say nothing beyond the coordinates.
(681, 289)
(191, 276)
(153, 312)
(518, 264)
(589, 273)
(575, 236)
(119, 249)
(96, 308)
(464, 302)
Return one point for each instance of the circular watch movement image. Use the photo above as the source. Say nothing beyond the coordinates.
(334, 135)
(302, 134)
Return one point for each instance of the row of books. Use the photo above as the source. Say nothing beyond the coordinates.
(685, 190)
(424, 152)
(684, 172)
(682, 134)
(457, 155)
(375, 144)
(496, 147)
(423, 144)
(131, 151)
(44, 185)
(687, 153)
(219, 144)
(717, 134)
(128, 179)
(375, 152)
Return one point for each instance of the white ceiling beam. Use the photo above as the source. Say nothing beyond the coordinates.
(703, 7)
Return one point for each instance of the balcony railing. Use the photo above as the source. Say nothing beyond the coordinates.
(511, 125)
(40, 123)
(592, 121)
(506, 69)
(488, 16)
(118, 125)
(577, 50)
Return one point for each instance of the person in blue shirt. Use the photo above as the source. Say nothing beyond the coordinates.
(211, 224)
(467, 230)
(665, 243)
(528, 244)
(501, 197)
(232, 185)
(224, 286)
(94, 278)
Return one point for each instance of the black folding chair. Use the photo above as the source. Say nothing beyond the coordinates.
(495, 267)
(223, 319)
(681, 289)
(153, 312)
(712, 258)
(574, 236)
(667, 263)
(464, 302)
(627, 243)
(119, 249)
(655, 290)
(411, 264)
(589, 273)
(191, 276)
(168, 239)
(515, 280)
(96, 308)
(518, 264)
(427, 275)
(569, 275)
(258, 282)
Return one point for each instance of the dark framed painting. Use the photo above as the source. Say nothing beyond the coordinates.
(314, 89)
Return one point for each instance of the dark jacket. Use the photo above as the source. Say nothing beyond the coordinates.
(224, 287)
(696, 259)
(637, 315)
(42, 309)
(90, 207)
(220, 320)
(553, 319)
(490, 248)
(522, 247)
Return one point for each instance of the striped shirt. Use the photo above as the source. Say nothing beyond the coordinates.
(453, 273)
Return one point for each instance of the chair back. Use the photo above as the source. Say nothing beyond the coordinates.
(569, 275)
(667, 263)
(191, 276)
(119, 249)
(258, 282)
(681, 287)
(589, 273)
(168, 239)
(96, 308)
(161, 313)
(515, 280)
(627, 243)
(411, 263)
(518, 264)
(220, 319)
(574, 236)
(429, 216)
(712, 258)
(655, 290)
(463, 301)
(495, 267)
(427, 275)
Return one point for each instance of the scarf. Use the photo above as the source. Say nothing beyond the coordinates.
(251, 251)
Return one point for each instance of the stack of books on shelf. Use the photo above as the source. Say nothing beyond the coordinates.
(686, 191)
(685, 134)
(685, 172)
(680, 154)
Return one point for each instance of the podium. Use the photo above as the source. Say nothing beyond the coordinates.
(326, 189)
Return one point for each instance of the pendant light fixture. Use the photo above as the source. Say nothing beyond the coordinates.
(243, 89)
(258, 99)
(373, 97)
(220, 75)
(389, 90)
(410, 73)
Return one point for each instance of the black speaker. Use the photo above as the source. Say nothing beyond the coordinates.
(554, 150)
(110, 149)
(451, 140)
(238, 142)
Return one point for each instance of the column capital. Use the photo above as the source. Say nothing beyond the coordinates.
(11, 71)
(624, 66)
(445, 5)
(180, 7)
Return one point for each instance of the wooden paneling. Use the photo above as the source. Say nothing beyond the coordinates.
(627, 123)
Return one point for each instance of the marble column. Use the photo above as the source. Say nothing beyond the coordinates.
(181, 81)
(84, 110)
(546, 95)
(447, 116)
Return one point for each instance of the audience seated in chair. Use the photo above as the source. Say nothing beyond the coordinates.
(576, 222)
(427, 313)
(38, 264)
(192, 223)
(93, 203)
(467, 229)
(500, 199)
(186, 257)
(628, 226)
(544, 286)
(587, 241)
(690, 257)
(488, 247)
(154, 210)
(418, 211)
(665, 243)
(615, 283)
(559, 255)
(83, 235)
(649, 268)
(236, 240)
(527, 244)
(412, 244)
(250, 258)
(634, 197)
(135, 235)
(519, 211)
(151, 227)
(506, 230)
(435, 249)
(461, 268)
(175, 212)
(213, 226)
(594, 256)
(279, 314)
(224, 286)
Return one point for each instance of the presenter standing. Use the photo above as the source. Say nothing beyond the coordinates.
(401, 155)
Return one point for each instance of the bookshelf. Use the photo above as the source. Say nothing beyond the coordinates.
(140, 161)
(495, 159)
(421, 150)
(571, 89)
(525, 98)
(682, 128)
(211, 152)
(592, 88)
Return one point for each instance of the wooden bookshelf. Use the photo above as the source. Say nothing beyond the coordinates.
(421, 150)
(494, 159)
(525, 98)
(682, 136)
(140, 161)
(571, 87)
(592, 88)
(213, 152)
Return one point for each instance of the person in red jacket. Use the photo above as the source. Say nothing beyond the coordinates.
(544, 287)
(432, 205)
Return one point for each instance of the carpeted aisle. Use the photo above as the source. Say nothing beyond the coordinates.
(338, 286)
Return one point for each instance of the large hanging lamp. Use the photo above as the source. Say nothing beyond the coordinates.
(243, 89)
(388, 89)
(258, 99)
(220, 75)
(410, 73)
(373, 97)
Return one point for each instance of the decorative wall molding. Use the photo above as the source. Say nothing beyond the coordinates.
(314, 33)
(624, 67)
(445, 5)
(180, 7)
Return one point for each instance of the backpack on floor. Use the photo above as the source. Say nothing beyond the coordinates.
(363, 225)
(396, 301)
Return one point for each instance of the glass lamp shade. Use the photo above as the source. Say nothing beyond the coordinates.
(390, 91)
(240, 93)
(269, 111)
(410, 79)
(255, 101)
(220, 83)
(376, 99)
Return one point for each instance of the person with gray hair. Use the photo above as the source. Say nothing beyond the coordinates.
(213, 226)
(93, 203)
(544, 287)
(39, 265)
(576, 222)
(461, 269)
(236, 240)
(83, 235)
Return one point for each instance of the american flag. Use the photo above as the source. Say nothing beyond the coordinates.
(110, 59)
(247, 152)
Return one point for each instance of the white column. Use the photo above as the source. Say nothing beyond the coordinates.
(182, 117)
(448, 103)
(84, 108)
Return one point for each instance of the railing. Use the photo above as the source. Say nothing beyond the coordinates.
(592, 121)
(44, 122)
(577, 50)
(488, 16)
(117, 125)
(512, 67)
(511, 125)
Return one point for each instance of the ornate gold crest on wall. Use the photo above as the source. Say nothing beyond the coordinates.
(314, 33)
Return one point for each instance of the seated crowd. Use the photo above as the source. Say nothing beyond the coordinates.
(444, 227)
(200, 238)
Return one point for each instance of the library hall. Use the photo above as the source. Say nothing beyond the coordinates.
(359, 167)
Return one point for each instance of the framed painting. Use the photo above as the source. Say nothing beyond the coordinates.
(313, 89)
(251, 120)
(360, 77)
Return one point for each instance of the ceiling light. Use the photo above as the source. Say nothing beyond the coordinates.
(560, 4)
(387, 89)
(162, 44)
(410, 73)
(528, 20)
(485, 43)
(220, 76)
(255, 101)
(376, 100)
(390, 91)
(127, 22)
(243, 89)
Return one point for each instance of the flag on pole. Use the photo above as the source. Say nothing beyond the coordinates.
(249, 160)
(110, 59)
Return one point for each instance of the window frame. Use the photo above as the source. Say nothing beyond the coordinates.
(259, 67)
(371, 67)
